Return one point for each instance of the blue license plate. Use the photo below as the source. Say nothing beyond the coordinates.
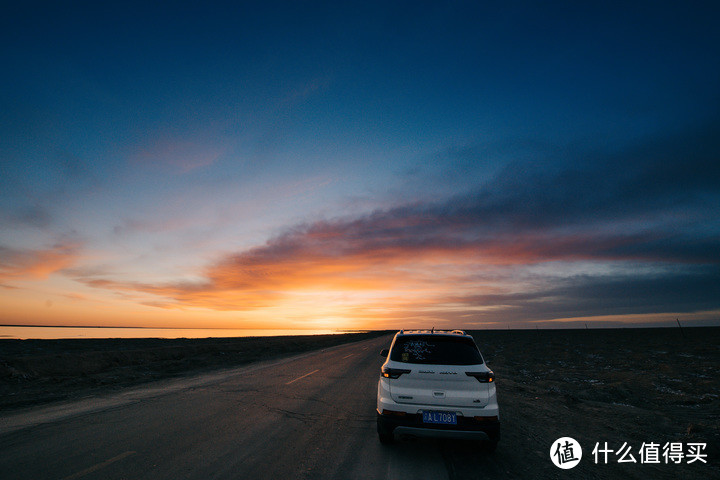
(442, 418)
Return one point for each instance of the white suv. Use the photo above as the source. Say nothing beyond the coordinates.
(435, 383)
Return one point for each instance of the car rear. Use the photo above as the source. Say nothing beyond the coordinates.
(437, 384)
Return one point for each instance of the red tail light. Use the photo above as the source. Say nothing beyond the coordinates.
(482, 377)
(388, 372)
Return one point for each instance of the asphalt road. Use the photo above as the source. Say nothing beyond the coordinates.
(312, 416)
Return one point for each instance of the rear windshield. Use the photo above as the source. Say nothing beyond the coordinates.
(440, 350)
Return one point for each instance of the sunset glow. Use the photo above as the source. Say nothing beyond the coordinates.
(396, 166)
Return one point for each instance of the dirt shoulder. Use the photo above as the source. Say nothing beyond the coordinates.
(38, 372)
(617, 386)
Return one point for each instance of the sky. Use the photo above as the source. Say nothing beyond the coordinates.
(360, 165)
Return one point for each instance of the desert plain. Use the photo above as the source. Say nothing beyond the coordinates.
(599, 386)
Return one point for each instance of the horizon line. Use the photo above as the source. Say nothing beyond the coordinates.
(537, 327)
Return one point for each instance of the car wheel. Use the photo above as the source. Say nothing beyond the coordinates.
(386, 438)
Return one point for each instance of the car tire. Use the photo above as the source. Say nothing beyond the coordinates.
(385, 432)
(490, 446)
(386, 438)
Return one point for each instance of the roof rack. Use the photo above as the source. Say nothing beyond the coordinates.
(433, 331)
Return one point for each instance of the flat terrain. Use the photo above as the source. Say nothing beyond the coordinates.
(312, 416)
(35, 372)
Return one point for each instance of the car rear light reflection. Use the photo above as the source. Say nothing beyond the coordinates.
(388, 372)
(482, 377)
(486, 419)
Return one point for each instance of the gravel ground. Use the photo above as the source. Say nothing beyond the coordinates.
(617, 386)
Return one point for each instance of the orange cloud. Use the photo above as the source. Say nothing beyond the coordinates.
(357, 259)
(418, 265)
(313, 272)
(36, 264)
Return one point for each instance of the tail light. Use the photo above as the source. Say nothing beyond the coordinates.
(482, 377)
(393, 412)
(388, 372)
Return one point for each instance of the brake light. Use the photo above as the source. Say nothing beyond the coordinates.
(388, 372)
(482, 377)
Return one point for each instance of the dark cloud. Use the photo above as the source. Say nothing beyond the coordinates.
(686, 291)
(30, 215)
(33, 191)
(668, 177)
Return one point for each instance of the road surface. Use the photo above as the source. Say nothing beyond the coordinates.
(312, 416)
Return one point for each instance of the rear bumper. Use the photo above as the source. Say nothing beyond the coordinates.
(437, 433)
(412, 425)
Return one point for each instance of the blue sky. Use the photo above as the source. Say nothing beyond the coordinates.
(384, 164)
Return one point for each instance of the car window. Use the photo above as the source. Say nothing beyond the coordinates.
(440, 350)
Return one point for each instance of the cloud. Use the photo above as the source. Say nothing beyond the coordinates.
(34, 191)
(649, 205)
(303, 91)
(36, 264)
(403, 251)
(684, 290)
(178, 155)
(187, 294)
(34, 215)
(672, 177)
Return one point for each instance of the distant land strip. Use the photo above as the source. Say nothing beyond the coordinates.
(172, 328)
